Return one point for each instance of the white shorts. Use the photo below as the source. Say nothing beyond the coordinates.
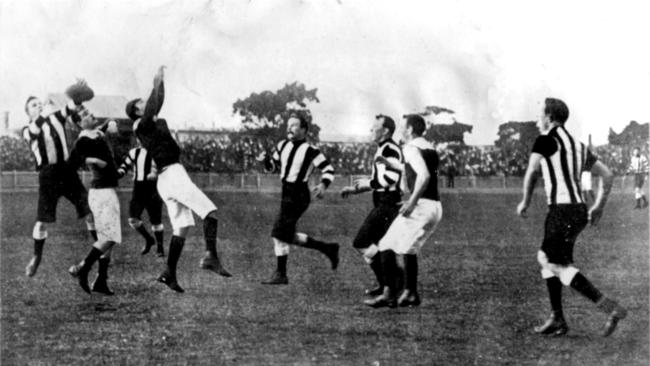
(182, 196)
(407, 235)
(585, 181)
(105, 207)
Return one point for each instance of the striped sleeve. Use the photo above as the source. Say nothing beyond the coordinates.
(126, 163)
(68, 111)
(326, 168)
(386, 176)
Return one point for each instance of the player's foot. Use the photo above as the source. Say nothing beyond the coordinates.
(554, 326)
(82, 275)
(374, 291)
(147, 246)
(169, 280)
(101, 286)
(212, 263)
(386, 299)
(408, 298)
(32, 266)
(160, 251)
(277, 279)
(333, 254)
(614, 317)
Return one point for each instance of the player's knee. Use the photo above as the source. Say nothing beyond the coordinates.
(40, 231)
(212, 214)
(542, 259)
(280, 248)
(369, 253)
(135, 223)
(181, 231)
(158, 227)
(300, 238)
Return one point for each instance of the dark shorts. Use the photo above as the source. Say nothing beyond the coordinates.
(561, 228)
(638, 180)
(54, 182)
(295, 200)
(377, 222)
(145, 196)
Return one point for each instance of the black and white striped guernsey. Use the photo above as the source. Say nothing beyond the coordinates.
(297, 160)
(385, 179)
(564, 159)
(140, 161)
(47, 139)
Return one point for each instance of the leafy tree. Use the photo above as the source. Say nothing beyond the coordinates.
(634, 134)
(516, 137)
(267, 113)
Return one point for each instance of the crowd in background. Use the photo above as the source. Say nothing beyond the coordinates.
(247, 154)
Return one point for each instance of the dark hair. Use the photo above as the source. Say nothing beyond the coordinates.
(302, 118)
(556, 109)
(417, 124)
(29, 99)
(130, 109)
(387, 123)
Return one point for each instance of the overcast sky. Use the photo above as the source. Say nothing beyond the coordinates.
(490, 61)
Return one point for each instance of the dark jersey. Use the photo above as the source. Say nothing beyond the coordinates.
(154, 133)
(93, 144)
(432, 161)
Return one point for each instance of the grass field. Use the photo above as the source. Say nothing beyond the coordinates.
(479, 279)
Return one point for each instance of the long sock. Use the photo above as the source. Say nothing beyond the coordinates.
(93, 234)
(375, 265)
(389, 269)
(159, 238)
(38, 247)
(586, 288)
(282, 264)
(554, 286)
(91, 258)
(102, 271)
(210, 233)
(145, 234)
(314, 244)
(175, 250)
(411, 269)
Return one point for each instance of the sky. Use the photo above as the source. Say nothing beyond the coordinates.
(490, 62)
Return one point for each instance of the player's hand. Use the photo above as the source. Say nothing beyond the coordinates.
(160, 74)
(347, 191)
(319, 190)
(407, 208)
(594, 215)
(361, 183)
(112, 127)
(521, 209)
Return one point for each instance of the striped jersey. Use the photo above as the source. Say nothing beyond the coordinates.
(141, 162)
(385, 179)
(564, 159)
(639, 164)
(297, 160)
(47, 139)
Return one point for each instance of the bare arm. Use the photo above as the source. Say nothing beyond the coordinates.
(414, 159)
(604, 187)
(530, 180)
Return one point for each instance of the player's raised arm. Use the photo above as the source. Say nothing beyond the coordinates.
(156, 99)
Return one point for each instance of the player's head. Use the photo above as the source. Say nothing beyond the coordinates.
(135, 108)
(297, 127)
(383, 128)
(555, 110)
(415, 127)
(636, 151)
(33, 107)
(88, 120)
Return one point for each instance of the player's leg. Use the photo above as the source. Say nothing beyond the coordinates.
(105, 205)
(75, 192)
(136, 207)
(48, 196)
(297, 203)
(282, 234)
(211, 259)
(154, 209)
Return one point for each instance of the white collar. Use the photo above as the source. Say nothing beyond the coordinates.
(91, 134)
(420, 143)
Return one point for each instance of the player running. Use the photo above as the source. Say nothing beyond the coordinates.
(639, 167)
(561, 158)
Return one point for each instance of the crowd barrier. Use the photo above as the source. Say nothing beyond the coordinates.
(26, 181)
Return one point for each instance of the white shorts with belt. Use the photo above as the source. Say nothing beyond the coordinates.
(105, 207)
(407, 235)
(182, 196)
